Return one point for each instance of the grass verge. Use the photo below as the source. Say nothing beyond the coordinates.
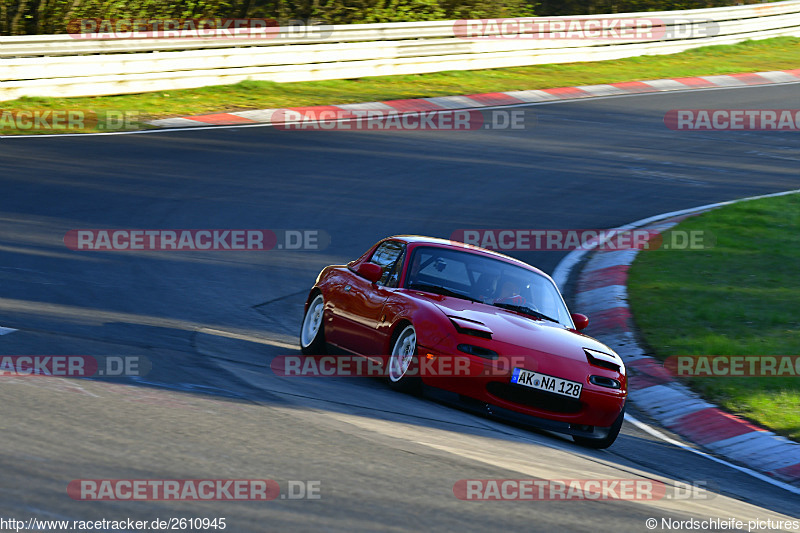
(750, 56)
(738, 298)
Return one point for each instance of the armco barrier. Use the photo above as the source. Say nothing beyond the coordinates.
(61, 65)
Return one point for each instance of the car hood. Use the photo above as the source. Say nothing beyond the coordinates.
(517, 330)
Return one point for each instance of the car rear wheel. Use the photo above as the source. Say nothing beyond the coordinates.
(312, 333)
(603, 442)
(402, 361)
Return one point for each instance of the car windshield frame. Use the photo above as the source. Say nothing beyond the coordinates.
(423, 262)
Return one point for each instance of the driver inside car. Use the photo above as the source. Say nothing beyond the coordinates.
(510, 293)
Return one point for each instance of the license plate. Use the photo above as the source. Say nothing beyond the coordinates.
(547, 383)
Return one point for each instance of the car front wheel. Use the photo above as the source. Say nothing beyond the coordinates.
(402, 361)
(312, 333)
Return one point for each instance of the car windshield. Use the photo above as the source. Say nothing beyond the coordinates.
(487, 280)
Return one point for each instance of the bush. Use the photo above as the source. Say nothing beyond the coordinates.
(22, 17)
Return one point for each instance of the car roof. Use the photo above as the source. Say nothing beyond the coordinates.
(447, 243)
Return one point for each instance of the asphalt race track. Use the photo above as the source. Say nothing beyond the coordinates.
(211, 321)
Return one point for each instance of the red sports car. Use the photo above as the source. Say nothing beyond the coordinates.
(513, 349)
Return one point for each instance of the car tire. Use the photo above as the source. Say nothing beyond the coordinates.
(608, 440)
(402, 366)
(312, 332)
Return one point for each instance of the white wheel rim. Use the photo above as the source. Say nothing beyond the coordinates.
(403, 351)
(312, 321)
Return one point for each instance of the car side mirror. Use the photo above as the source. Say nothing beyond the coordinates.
(581, 321)
(371, 271)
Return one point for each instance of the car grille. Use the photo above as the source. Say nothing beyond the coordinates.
(537, 399)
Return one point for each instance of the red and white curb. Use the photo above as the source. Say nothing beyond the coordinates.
(473, 101)
(601, 293)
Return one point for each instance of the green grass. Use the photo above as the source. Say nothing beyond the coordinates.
(751, 56)
(741, 297)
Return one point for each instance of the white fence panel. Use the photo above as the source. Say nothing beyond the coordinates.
(61, 65)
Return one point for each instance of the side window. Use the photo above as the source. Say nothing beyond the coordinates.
(394, 274)
(389, 256)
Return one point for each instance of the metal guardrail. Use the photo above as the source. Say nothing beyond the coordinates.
(62, 65)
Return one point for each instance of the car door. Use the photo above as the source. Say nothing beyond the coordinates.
(361, 302)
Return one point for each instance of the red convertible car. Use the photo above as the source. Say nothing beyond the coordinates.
(410, 301)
